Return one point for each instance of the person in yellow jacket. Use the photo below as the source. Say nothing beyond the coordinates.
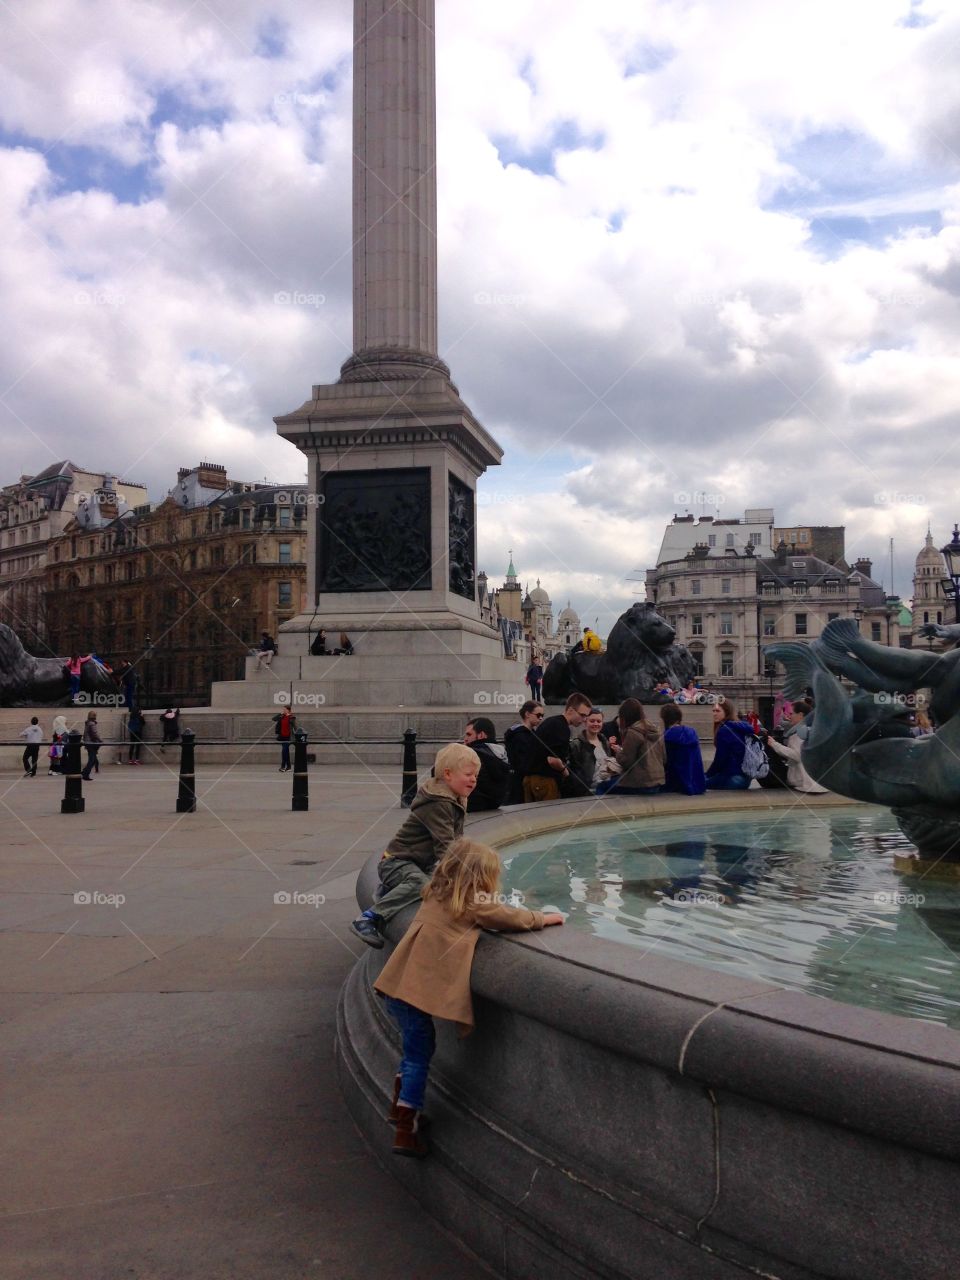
(591, 641)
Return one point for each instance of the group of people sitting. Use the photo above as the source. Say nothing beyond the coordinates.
(578, 753)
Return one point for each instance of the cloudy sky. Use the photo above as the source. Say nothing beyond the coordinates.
(694, 255)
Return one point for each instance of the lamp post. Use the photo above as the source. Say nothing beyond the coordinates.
(148, 670)
(951, 584)
(859, 613)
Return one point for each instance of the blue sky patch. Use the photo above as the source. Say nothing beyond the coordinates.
(644, 59)
(541, 159)
(272, 39)
(81, 168)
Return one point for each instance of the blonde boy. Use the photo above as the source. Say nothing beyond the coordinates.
(434, 822)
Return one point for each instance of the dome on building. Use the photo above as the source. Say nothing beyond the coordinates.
(538, 595)
(568, 618)
(930, 556)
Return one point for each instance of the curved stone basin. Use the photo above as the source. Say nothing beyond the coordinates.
(620, 1114)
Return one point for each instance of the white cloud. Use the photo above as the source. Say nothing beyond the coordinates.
(670, 304)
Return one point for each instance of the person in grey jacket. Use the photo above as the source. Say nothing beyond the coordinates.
(435, 821)
(92, 742)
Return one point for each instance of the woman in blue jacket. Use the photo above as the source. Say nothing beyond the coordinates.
(730, 741)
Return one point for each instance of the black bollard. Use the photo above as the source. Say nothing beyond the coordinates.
(187, 794)
(408, 786)
(301, 795)
(73, 801)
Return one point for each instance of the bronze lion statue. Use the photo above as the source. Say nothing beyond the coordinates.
(640, 653)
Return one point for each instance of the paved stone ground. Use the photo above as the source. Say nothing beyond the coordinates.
(170, 1103)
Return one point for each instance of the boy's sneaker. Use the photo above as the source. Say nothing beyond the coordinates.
(366, 929)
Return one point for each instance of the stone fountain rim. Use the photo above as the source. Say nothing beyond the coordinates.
(877, 1072)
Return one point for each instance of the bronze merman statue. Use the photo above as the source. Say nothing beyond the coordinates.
(860, 745)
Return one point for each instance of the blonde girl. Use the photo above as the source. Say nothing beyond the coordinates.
(428, 975)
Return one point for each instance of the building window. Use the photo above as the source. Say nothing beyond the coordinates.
(800, 624)
(730, 540)
(245, 518)
(726, 624)
(283, 517)
(831, 616)
(695, 586)
(284, 594)
(769, 626)
(696, 624)
(247, 554)
(711, 540)
(192, 560)
(803, 535)
(726, 662)
(725, 586)
(756, 539)
(673, 585)
(697, 656)
(108, 573)
(875, 631)
(285, 556)
(216, 555)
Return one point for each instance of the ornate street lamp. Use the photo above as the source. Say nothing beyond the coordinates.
(951, 584)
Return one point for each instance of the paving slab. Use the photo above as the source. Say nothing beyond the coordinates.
(171, 1107)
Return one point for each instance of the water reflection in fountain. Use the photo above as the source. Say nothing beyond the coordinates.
(810, 901)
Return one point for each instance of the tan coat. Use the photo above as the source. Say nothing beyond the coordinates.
(430, 967)
(642, 757)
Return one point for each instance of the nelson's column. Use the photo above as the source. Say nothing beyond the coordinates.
(394, 453)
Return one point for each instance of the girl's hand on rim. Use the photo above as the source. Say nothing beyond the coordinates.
(552, 917)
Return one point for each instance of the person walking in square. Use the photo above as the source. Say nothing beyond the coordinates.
(58, 740)
(285, 726)
(92, 741)
(434, 822)
(534, 678)
(33, 736)
(428, 975)
(135, 727)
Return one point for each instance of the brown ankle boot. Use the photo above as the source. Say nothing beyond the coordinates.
(393, 1115)
(407, 1138)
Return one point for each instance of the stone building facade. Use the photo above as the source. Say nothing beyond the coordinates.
(531, 610)
(726, 608)
(929, 602)
(182, 590)
(35, 512)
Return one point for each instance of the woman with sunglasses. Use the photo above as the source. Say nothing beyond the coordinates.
(521, 744)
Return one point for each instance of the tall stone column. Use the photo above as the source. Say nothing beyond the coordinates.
(394, 453)
(394, 191)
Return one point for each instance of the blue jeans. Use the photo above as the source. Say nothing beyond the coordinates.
(284, 755)
(733, 782)
(610, 788)
(74, 686)
(419, 1043)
